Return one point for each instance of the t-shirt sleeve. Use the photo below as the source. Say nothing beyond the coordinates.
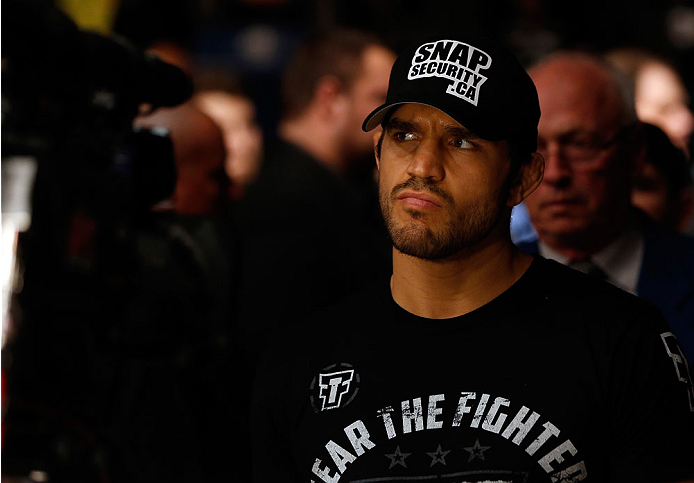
(651, 402)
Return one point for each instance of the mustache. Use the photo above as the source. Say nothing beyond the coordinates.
(419, 184)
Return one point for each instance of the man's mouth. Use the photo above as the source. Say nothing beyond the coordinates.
(420, 199)
(563, 200)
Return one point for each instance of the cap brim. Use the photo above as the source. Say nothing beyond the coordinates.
(377, 115)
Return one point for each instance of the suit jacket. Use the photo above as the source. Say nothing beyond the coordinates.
(666, 279)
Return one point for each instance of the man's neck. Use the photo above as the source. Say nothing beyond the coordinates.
(570, 253)
(456, 286)
(316, 139)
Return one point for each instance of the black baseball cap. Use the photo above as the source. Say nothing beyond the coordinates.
(473, 79)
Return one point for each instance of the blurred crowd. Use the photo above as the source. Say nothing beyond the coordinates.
(274, 213)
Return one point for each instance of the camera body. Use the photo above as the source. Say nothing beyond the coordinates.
(69, 98)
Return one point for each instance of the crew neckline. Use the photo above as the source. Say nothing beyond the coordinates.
(402, 317)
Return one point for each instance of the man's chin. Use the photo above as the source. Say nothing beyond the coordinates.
(564, 232)
(424, 252)
(416, 241)
(561, 223)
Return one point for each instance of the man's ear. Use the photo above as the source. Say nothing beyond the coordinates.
(528, 179)
(327, 92)
(377, 154)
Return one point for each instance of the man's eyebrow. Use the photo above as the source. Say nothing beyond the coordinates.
(400, 125)
(462, 132)
(575, 132)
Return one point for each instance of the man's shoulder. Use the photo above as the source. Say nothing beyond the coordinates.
(290, 165)
(667, 271)
(346, 319)
(558, 278)
(569, 289)
(295, 184)
(669, 247)
(285, 167)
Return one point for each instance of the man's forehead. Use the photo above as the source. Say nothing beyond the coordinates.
(374, 66)
(578, 86)
(376, 56)
(578, 119)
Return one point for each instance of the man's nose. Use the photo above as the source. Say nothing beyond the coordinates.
(557, 167)
(426, 162)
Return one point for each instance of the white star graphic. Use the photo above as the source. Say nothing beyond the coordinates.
(476, 451)
(397, 458)
(438, 456)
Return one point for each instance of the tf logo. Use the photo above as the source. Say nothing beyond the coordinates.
(334, 387)
(674, 350)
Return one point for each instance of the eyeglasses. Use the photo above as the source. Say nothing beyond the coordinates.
(576, 148)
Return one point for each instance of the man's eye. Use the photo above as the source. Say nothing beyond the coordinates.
(403, 136)
(579, 143)
(462, 143)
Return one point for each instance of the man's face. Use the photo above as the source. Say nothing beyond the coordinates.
(202, 183)
(650, 192)
(662, 99)
(367, 92)
(586, 181)
(201, 187)
(243, 139)
(442, 189)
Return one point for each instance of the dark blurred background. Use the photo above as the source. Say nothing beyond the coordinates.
(252, 37)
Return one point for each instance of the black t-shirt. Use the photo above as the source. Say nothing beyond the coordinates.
(560, 378)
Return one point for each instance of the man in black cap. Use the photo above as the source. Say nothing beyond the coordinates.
(474, 361)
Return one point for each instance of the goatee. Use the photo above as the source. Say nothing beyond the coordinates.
(464, 227)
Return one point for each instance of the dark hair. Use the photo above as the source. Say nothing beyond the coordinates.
(335, 53)
(669, 160)
(519, 155)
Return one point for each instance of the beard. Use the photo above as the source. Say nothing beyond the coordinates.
(464, 228)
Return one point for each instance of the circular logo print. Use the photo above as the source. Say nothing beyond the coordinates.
(334, 387)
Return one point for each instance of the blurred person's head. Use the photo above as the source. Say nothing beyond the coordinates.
(199, 154)
(660, 95)
(662, 182)
(332, 82)
(236, 115)
(173, 53)
(585, 134)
